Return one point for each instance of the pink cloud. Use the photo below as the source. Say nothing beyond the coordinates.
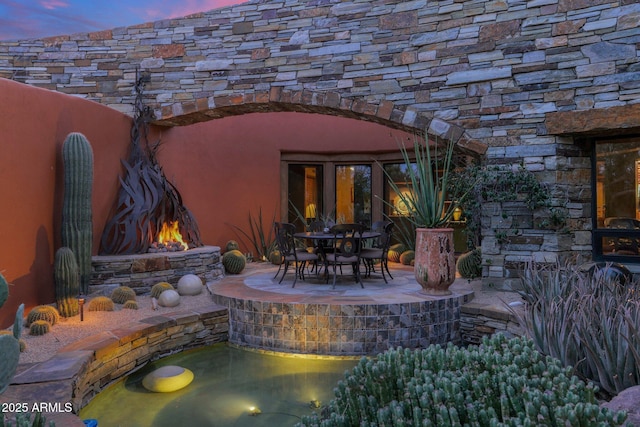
(53, 4)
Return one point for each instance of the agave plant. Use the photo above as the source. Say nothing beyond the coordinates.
(429, 176)
(588, 321)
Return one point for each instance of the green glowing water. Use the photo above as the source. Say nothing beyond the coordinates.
(228, 381)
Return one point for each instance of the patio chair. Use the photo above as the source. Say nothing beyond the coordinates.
(347, 245)
(380, 249)
(289, 252)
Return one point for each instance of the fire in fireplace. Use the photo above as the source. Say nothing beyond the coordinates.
(169, 239)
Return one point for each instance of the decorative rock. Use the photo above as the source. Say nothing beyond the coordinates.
(168, 378)
(190, 284)
(627, 400)
(169, 298)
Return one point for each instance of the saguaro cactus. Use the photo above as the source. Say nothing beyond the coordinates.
(77, 226)
(67, 278)
(9, 344)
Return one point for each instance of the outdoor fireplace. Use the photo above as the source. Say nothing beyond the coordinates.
(151, 236)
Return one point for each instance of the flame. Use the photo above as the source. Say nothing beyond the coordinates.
(171, 233)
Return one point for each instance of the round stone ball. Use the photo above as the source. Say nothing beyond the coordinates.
(190, 284)
(169, 298)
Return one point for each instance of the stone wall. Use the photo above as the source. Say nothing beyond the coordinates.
(515, 81)
(134, 346)
(141, 271)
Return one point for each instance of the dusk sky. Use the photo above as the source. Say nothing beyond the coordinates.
(28, 19)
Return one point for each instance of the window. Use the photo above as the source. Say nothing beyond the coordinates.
(616, 182)
(353, 194)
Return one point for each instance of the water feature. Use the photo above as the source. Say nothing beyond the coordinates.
(228, 382)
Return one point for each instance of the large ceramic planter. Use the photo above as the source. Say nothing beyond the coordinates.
(435, 265)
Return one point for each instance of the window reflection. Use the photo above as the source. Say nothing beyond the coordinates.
(617, 188)
(353, 194)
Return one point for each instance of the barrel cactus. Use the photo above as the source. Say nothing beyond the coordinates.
(159, 288)
(77, 225)
(39, 327)
(275, 257)
(234, 261)
(407, 257)
(232, 245)
(67, 279)
(101, 303)
(395, 251)
(469, 264)
(130, 305)
(122, 294)
(43, 312)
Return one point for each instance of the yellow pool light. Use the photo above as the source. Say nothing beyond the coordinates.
(253, 411)
(167, 379)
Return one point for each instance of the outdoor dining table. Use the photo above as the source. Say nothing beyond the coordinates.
(328, 236)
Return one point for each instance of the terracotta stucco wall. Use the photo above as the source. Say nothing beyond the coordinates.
(34, 125)
(224, 169)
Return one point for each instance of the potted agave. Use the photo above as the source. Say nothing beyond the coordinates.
(427, 207)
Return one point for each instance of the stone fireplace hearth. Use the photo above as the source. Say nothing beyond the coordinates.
(141, 271)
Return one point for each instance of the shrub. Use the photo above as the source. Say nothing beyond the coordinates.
(43, 312)
(585, 320)
(499, 382)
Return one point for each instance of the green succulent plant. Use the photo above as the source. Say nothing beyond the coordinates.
(500, 382)
(77, 223)
(122, 294)
(39, 327)
(66, 276)
(130, 305)
(407, 257)
(469, 264)
(43, 312)
(231, 245)
(234, 262)
(101, 303)
(159, 288)
(395, 251)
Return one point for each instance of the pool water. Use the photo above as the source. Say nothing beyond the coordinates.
(228, 382)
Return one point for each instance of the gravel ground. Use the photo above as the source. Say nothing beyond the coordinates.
(69, 330)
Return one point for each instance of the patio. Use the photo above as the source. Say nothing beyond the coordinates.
(79, 364)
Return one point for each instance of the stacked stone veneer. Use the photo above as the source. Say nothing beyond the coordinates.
(512, 80)
(342, 329)
(141, 271)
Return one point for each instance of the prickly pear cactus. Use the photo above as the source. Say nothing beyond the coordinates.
(66, 276)
(10, 350)
(234, 261)
(77, 224)
(4, 290)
